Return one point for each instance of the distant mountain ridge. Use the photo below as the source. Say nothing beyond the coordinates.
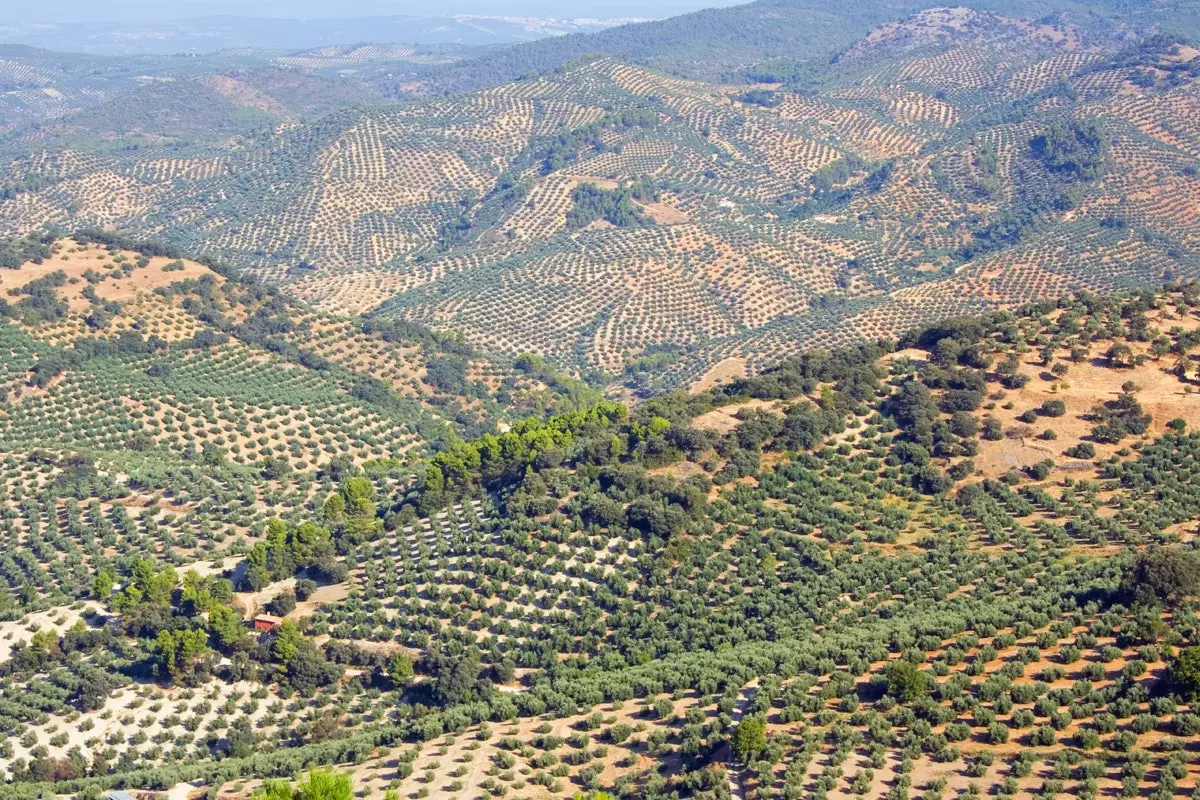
(713, 44)
(210, 34)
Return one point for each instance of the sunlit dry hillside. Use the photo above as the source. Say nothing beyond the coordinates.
(607, 216)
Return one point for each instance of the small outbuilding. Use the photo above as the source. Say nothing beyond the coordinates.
(267, 622)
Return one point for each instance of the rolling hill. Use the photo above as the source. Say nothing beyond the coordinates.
(715, 43)
(608, 217)
(38, 86)
(792, 400)
(965, 562)
(218, 401)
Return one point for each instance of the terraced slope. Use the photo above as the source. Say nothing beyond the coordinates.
(609, 217)
(714, 43)
(967, 565)
(218, 403)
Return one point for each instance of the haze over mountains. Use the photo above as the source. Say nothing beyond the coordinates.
(129, 11)
(133, 28)
(212, 33)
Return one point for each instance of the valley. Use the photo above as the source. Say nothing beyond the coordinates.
(775, 401)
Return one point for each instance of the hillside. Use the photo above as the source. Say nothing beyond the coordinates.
(235, 90)
(964, 559)
(212, 404)
(797, 400)
(715, 43)
(624, 224)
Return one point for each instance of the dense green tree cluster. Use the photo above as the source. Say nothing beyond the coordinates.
(561, 149)
(295, 660)
(39, 301)
(1119, 418)
(18, 250)
(761, 97)
(493, 460)
(287, 549)
(318, 784)
(352, 510)
(615, 206)
(1078, 147)
(1162, 576)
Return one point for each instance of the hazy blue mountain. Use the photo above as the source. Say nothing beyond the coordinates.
(213, 33)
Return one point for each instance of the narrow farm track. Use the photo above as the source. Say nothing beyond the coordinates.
(733, 769)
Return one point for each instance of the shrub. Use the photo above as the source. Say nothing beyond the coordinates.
(1043, 736)
(750, 738)
(1053, 408)
(282, 604)
(1161, 575)
(619, 733)
(1041, 470)
(905, 681)
(1185, 672)
(1081, 450)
